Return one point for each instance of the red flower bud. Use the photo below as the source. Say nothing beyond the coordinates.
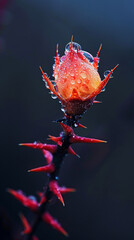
(77, 79)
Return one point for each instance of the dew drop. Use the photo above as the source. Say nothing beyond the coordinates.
(71, 74)
(78, 81)
(53, 96)
(72, 82)
(54, 84)
(32, 198)
(46, 84)
(62, 109)
(75, 45)
(107, 72)
(103, 90)
(88, 56)
(56, 77)
(53, 66)
(83, 75)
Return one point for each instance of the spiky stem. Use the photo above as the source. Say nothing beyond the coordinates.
(58, 157)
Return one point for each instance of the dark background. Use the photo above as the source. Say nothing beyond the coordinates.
(103, 206)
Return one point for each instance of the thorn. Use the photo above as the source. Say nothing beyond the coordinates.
(78, 139)
(71, 43)
(48, 169)
(71, 151)
(43, 200)
(102, 84)
(98, 53)
(97, 101)
(67, 129)
(29, 202)
(82, 126)
(48, 156)
(50, 85)
(57, 50)
(46, 217)
(54, 187)
(27, 227)
(48, 147)
(58, 140)
(66, 190)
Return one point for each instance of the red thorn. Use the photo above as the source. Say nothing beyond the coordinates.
(98, 53)
(54, 223)
(27, 227)
(47, 155)
(43, 200)
(58, 140)
(50, 85)
(102, 84)
(67, 129)
(80, 125)
(71, 43)
(57, 50)
(78, 139)
(77, 49)
(97, 101)
(66, 190)
(32, 204)
(54, 187)
(42, 196)
(71, 151)
(48, 147)
(48, 169)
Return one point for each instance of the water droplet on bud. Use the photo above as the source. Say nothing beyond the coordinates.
(107, 72)
(62, 109)
(75, 45)
(88, 56)
(53, 66)
(46, 84)
(53, 96)
(79, 81)
(72, 82)
(83, 75)
(71, 74)
(103, 90)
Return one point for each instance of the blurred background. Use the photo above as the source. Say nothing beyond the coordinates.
(103, 205)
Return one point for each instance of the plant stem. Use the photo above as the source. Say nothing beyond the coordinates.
(58, 157)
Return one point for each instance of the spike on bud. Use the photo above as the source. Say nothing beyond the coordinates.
(54, 223)
(98, 53)
(29, 202)
(48, 169)
(54, 187)
(103, 83)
